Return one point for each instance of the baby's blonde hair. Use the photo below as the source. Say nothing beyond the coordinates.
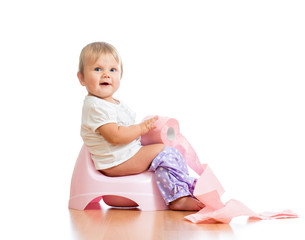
(93, 51)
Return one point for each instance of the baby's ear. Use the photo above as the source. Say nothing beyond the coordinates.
(81, 78)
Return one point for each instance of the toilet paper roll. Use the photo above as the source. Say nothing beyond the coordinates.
(167, 131)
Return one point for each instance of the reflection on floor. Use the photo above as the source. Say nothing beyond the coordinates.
(109, 223)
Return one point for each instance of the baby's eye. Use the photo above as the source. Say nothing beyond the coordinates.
(98, 69)
(113, 70)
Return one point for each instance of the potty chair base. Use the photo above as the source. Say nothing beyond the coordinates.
(89, 185)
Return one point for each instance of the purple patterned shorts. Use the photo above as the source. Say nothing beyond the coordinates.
(171, 175)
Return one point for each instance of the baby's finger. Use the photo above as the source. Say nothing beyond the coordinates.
(156, 117)
(153, 119)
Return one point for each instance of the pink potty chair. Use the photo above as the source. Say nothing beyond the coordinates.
(88, 185)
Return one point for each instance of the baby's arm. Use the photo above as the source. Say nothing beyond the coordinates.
(122, 135)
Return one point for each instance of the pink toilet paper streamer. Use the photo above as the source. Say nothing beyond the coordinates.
(208, 189)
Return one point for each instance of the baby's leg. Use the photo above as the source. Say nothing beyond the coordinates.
(140, 162)
(173, 180)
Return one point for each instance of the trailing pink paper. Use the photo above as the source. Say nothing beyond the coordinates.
(209, 190)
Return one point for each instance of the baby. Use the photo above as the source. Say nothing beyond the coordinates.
(112, 137)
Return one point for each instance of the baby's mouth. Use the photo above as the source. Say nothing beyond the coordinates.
(104, 84)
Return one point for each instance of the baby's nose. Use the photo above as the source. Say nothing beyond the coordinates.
(106, 75)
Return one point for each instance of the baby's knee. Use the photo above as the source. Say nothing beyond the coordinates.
(160, 147)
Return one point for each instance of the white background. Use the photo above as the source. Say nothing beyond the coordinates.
(231, 72)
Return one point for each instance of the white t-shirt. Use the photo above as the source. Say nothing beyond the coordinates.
(97, 112)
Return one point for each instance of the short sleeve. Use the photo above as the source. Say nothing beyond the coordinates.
(98, 114)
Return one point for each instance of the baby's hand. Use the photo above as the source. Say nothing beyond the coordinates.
(148, 125)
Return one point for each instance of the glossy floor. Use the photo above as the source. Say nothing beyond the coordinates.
(57, 222)
(134, 224)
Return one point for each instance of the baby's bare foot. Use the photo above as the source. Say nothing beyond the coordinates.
(186, 204)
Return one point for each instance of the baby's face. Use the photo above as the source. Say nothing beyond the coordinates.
(102, 78)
